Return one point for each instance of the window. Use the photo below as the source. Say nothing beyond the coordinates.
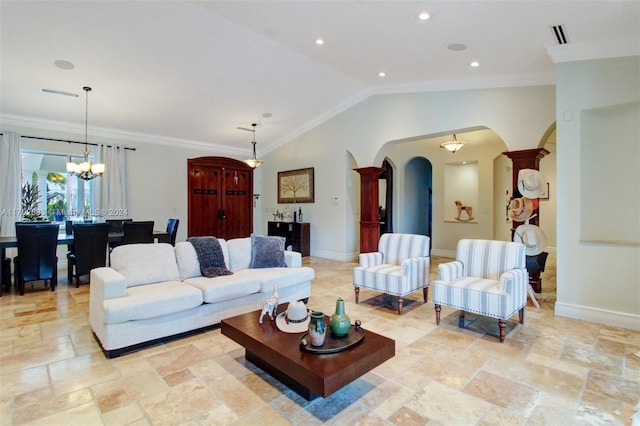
(49, 192)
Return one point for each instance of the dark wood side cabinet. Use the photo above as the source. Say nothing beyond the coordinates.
(296, 235)
(220, 197)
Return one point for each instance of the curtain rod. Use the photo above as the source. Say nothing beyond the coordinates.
(67, 141)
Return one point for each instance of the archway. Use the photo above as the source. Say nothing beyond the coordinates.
(417, 199)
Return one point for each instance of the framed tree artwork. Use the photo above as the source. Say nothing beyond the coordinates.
(296, 186)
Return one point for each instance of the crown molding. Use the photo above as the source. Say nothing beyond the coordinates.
(520, 80)
(112, 134)
(597, 50)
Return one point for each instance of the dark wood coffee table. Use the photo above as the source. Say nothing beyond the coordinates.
(309, 374)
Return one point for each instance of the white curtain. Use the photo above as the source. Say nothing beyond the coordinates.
(112, 200)
(10, 186)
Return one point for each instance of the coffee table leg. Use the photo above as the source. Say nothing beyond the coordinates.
(288, 381)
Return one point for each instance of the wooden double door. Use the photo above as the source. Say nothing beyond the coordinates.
(220, 197)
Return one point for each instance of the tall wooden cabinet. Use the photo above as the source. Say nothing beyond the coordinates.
(220, 197)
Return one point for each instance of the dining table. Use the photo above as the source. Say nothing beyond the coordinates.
(64, 239)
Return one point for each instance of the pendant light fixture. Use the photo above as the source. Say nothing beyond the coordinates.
(253, 162)
(454, 145)
(85, 170)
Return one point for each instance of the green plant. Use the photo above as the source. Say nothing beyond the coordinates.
(30, 200)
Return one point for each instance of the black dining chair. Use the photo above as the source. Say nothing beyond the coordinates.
(6, 272)
(172, 230)
(115, 225)
(137, 232)
(36, 260)
(90, 242)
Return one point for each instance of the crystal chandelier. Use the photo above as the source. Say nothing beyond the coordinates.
(454, 145)
(254, 162)
(86, 170)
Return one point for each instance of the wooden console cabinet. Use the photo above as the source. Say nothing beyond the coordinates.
(296, 235)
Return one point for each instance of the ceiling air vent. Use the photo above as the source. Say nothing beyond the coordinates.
(559, 33)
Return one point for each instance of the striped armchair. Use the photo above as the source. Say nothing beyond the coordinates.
(488, 278)
(399, 267)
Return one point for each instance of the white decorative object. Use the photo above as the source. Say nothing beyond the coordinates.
(270, 305)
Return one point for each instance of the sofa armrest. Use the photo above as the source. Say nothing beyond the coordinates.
(370, 259)
(450, 271)
(293, 259)
(107, 283)
(515, 281)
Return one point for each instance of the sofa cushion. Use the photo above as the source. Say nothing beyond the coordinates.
(284, 277)
(151, 301)
(267, 251)
(239, 253)
(145, 263)
(187, 259)
(224, 287)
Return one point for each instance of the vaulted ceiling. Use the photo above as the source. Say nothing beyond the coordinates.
(191, 72)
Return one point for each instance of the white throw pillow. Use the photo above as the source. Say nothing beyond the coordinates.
(239, 253)
(145, 263)
(187, 260)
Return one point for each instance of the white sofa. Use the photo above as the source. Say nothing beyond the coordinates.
(153, 291)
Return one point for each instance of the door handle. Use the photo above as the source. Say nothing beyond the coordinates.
(221, 214)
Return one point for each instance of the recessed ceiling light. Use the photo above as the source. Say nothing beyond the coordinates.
(382, 74)
(456, 47)
(319, 41)
(475, 64)
(423, 16)
(64, 65)
(267, 115)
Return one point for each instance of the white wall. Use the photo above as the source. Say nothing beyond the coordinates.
(597, 281)
(502, 182)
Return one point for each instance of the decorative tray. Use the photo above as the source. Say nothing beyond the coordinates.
(332, 343)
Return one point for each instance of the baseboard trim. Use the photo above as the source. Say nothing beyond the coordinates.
(601, 316)
(443, 253)
(344, 257)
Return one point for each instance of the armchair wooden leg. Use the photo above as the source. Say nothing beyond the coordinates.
(400, 302)
(438, 309)
(425, 293)
(502, 324)
(521, 315)
(357, 289)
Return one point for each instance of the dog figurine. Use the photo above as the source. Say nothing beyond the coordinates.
(270, 305)
(462, 208)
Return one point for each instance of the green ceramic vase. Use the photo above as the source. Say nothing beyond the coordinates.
(317, 328)
(340, 322)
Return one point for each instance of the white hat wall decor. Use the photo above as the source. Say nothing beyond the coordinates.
(531, 183)
(533, 237)
(521, 209)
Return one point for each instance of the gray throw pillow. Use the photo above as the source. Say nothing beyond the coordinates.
(267, 252)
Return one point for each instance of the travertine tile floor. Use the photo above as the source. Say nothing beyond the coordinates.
(551, 370)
